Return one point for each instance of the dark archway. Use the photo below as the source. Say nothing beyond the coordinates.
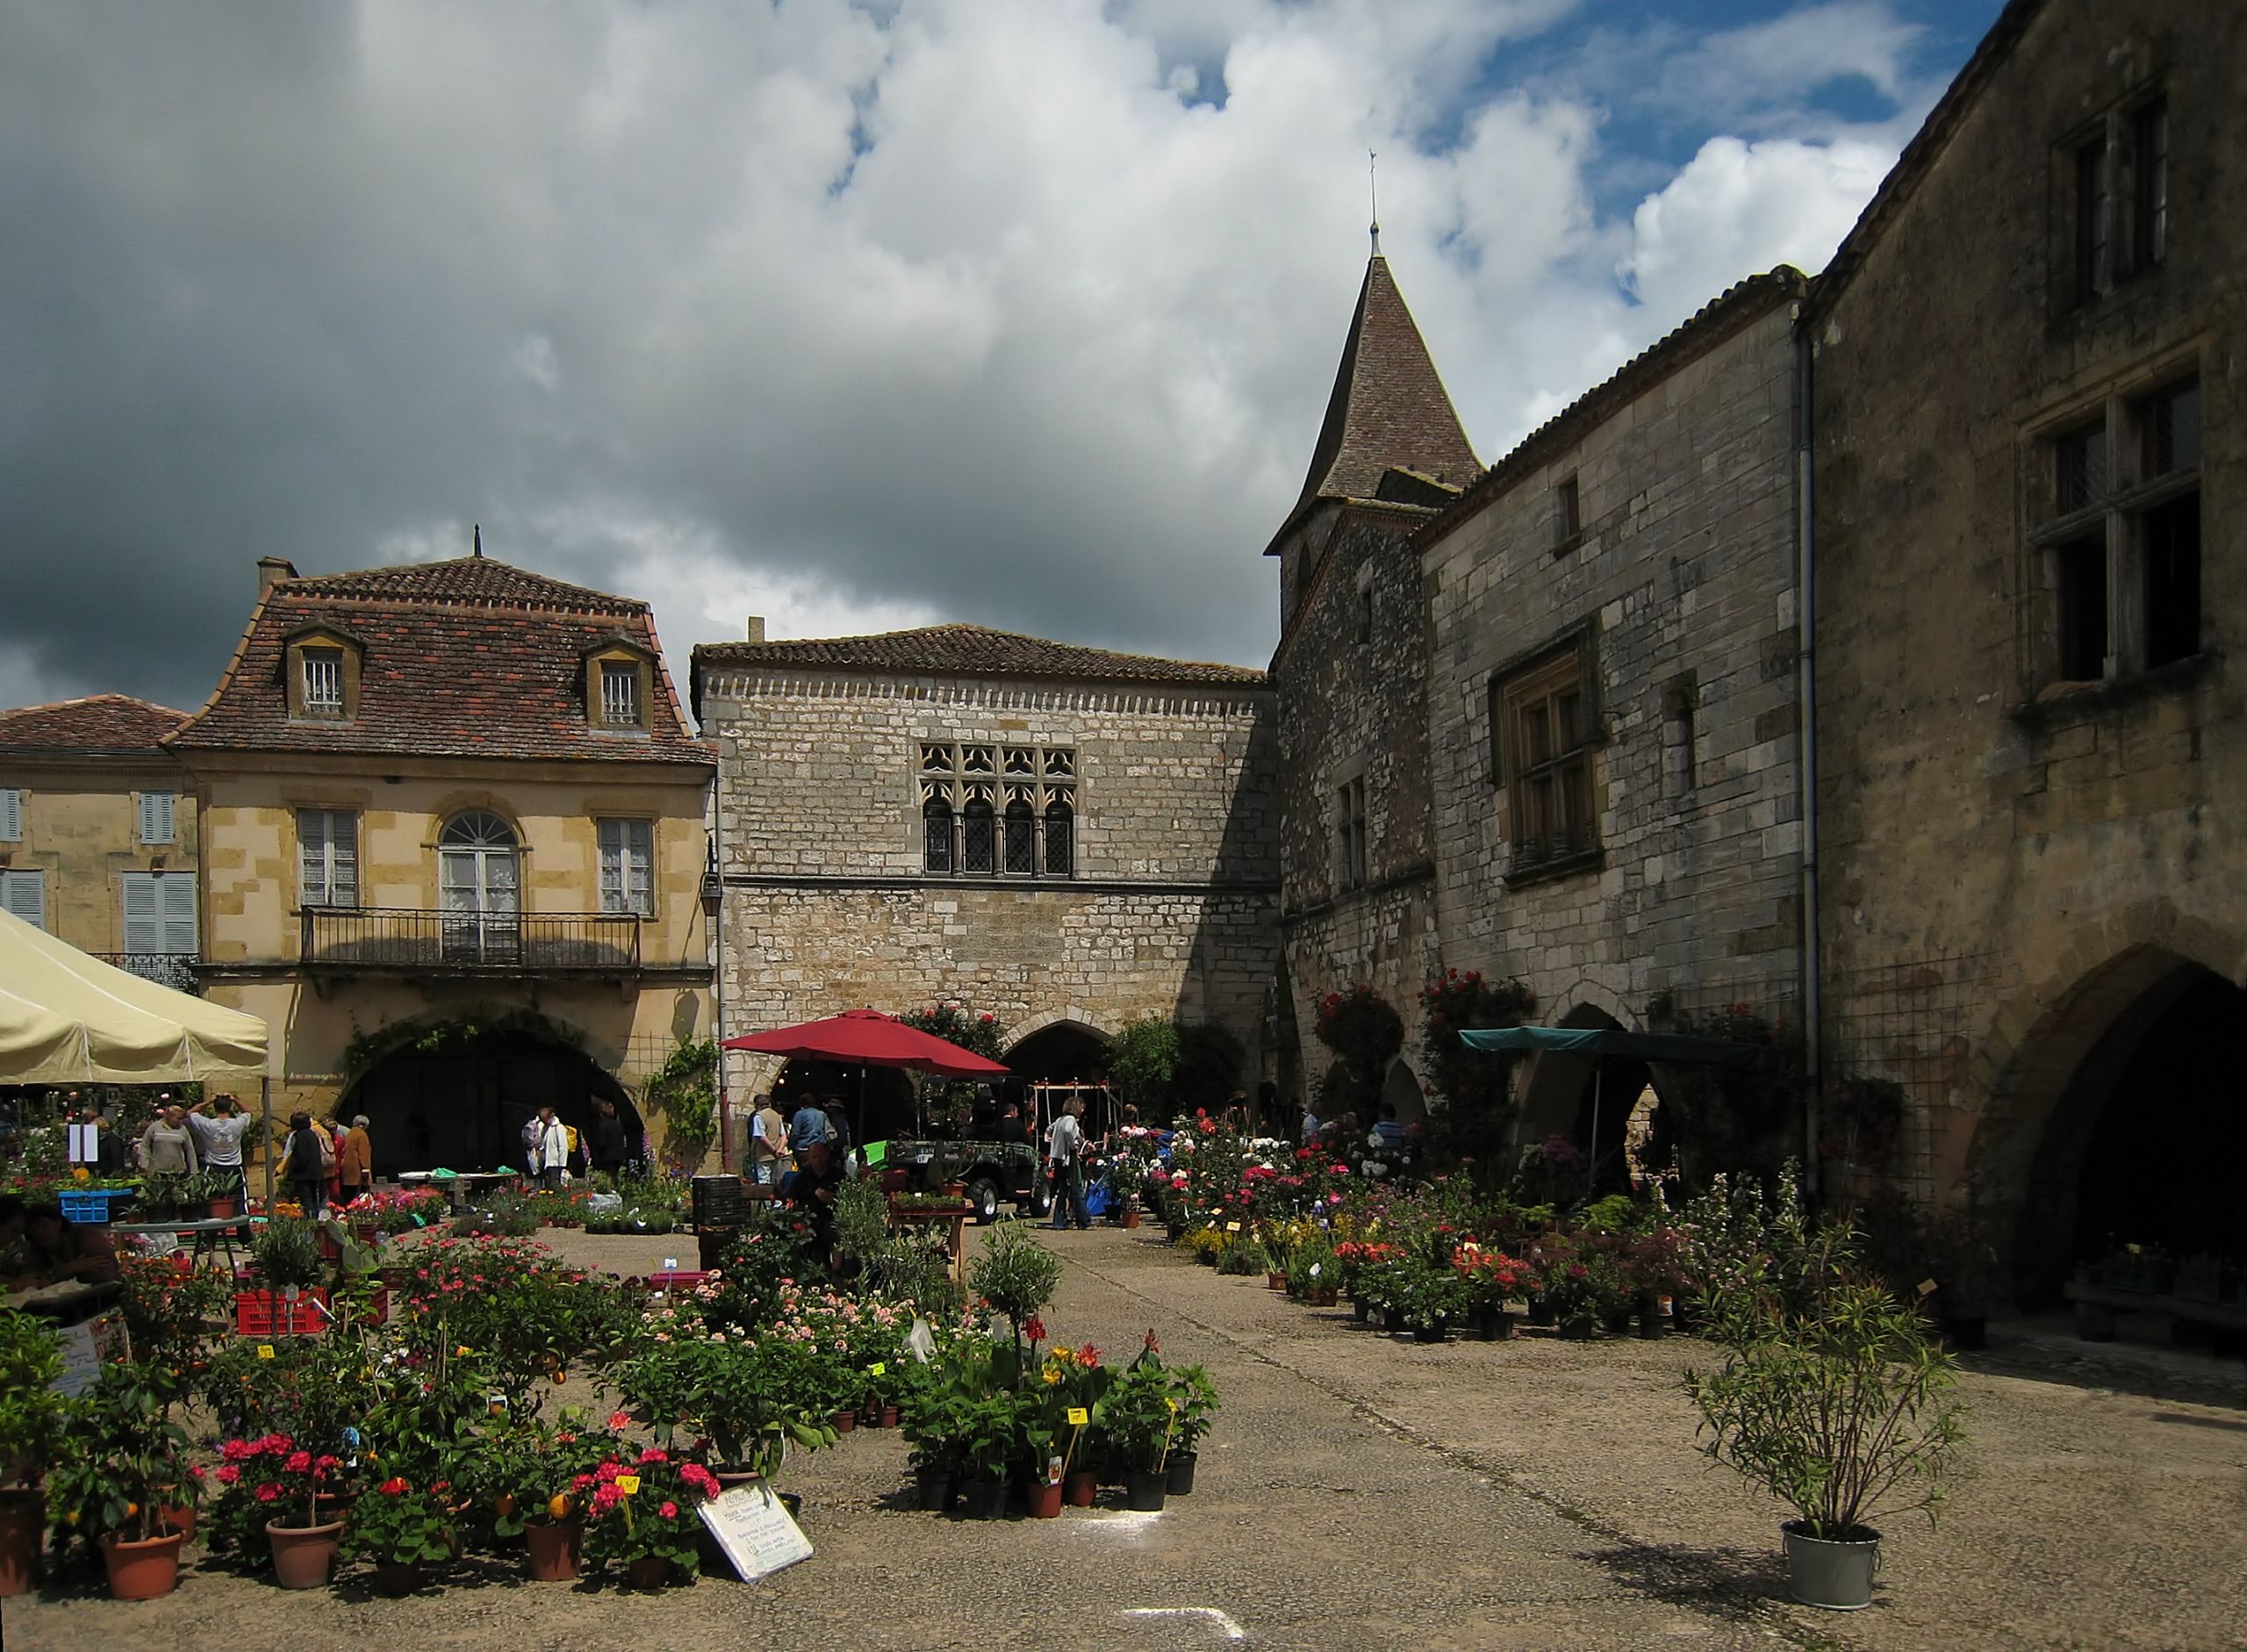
(462, 1105)
(1060, 1052)
(2143, 1143)
(1586, 1104)
(1402, 1091)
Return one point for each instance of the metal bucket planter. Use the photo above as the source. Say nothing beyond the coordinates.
(1822, 1572)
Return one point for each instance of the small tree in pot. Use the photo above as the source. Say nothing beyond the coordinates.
(1833, 1397)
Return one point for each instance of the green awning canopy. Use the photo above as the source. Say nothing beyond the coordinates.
(1594, 1042)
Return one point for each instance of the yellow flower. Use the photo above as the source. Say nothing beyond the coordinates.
(81, 1174)
(1052, 1377)
(463, 1352)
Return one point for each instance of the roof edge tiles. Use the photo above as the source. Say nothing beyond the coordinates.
(971, 650)
(90, 725)
(1710, 326)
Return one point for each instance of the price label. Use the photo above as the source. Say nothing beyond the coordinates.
(628, 1483)
(1172, 1403)
(265, 1350)
(1079, 1417)
(877, 1368)
(1232, 1227)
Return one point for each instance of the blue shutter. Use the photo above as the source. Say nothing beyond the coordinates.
(11, 815)
(24, 893)
(143, 914)
(176, 900)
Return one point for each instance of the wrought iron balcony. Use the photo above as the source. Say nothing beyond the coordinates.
(174, 969)
(529, 944)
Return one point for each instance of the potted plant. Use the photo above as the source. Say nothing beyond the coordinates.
(122, 1463)
(401, 1529)
(643, 1514)
(1490, 1279)
(1137, 1421)
(531, 1475)
(1193, 1407)
(1840, 1407)
(300, 1490)
(32, 1416)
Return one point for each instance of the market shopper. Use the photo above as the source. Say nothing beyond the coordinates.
(167, 1145)
(1064, 1152)
(809, 1127)
(768, 1143)
(606, 1146)
(302, 1165)
(220, 1125)
(354, 1160)
(552, 1160)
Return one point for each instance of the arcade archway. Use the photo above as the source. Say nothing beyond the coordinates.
(462, 1104)
(1585, 1102)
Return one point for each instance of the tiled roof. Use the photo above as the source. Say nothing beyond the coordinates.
(969, 650)
(98, 723)
(473, 581)
(1706, 328)
(469, 658)
(1388, 409)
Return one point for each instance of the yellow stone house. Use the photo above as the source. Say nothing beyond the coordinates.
(97, 832)
(454, 844)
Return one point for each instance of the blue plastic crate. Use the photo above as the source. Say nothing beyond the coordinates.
(91, 1204)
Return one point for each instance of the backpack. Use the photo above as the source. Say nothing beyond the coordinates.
(327, 1150)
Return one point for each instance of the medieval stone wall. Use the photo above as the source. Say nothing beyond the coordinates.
(1680, 585)
(1170, 909)
(2008, 857)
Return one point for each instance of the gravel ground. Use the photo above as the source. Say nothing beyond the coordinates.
(1365, 1493)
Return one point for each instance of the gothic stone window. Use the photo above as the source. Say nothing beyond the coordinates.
(2116, 543)
(2115, 183)
(982, 806)
(1544, 731)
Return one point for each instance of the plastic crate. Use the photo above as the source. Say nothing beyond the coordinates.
(92, 1204)
(264, 1313)
(718, 1202)
(679, 1279)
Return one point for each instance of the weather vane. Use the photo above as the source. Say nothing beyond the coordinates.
(1373, 188)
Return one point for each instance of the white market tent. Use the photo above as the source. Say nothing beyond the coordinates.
(66, 1018)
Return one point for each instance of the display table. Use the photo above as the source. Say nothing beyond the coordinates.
(955, 1243)
(2096, 1306)
(213, 1234)
(459, 1185)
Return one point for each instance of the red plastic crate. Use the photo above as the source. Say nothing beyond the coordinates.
(262, 1313)
(682, 1279)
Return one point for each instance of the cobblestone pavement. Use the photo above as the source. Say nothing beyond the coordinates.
(1365, 1493)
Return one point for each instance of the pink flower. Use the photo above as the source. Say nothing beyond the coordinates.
(228, 1473)
(670, 1511)
(619, 1420)
(267, 1492)
(300, 1462)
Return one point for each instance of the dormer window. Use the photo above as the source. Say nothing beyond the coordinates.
(323, 675)
(323, 681)
(620, 693)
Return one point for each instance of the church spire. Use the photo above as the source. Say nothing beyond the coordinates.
(1388, 409)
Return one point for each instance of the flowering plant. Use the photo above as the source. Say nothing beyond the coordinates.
(751, 1399)
(518, 1304)
(400, 1523)
(286, 1480)
(397, 1210)
(531, 1473)
(1492, 1278)
(643, 1506)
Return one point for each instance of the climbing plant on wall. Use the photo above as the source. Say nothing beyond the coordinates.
(684, 1094)
(1365, 1032)
(1474, 1126)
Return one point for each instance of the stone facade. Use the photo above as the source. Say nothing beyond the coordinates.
(1166, 908)
(2023, 856)
(1668, 577)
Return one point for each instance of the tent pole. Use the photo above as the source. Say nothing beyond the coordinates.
(265, 1142)
(1598, 1076)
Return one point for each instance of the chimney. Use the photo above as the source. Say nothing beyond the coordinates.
(273, 570)
(756, 627)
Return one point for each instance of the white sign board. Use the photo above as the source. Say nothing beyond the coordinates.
(87, 1347)
(84, 1143)
(754, 1529)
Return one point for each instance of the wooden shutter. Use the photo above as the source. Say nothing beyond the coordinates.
(143, 917)
(611, 865)
(157, 817)
(342, 858)
(25, 896)
(312, 857)
(11, 815)
(176, 900)
(639, 867)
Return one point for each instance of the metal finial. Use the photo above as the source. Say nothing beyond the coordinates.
(478, 548)
(1373, 188)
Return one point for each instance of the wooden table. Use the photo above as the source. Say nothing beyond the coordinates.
(957, 1244)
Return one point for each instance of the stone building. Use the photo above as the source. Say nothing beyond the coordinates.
(2030, 415)
(453, 832)
(1612, 701)
(1061, 836)
(1348, 672)
(98, 839)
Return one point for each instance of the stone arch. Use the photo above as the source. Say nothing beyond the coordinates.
(1587, 1104)
(1400, 1089)
(2058, 1052)
(1023, 1030)
(1067, 1045)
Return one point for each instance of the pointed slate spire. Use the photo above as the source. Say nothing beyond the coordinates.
(1388, 409)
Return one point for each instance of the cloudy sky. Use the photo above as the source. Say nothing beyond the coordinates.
(856, 316)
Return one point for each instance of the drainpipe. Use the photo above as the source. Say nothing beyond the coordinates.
(1806, 738)
(717, 865)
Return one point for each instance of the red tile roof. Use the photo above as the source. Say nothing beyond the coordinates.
(1388, 409)
(98, 723)
(467, 658)
(969, 650)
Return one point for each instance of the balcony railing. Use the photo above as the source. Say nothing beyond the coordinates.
(532, 943)
(174, 969)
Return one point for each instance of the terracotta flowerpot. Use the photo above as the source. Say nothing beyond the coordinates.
(553, 1548)
(145, 1570)
(650, 1571)
(888, 1418)
(221, 1210)
(1044, 1501)
(303, 1556)
(1081, 1487)
(845, 1421)
(22, 1519)
(1275, 1281)
(177, 1517)
(1131, 1217)
(398, 1577)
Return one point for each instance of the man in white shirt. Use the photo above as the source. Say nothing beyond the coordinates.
(218, 1126)
(1064, 1151)
(553, 1148)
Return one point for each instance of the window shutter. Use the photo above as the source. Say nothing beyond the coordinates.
(342, 858)
(11, 815)
(143, 922)
(639, 867)
(312, 857)
(155, 817)
(175, 892)
(24, 893)
(611, 865)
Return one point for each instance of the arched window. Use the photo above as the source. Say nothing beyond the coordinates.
(479, 887)
(1021, 838)
(978, 839)
(936, 835)
(1061, 838)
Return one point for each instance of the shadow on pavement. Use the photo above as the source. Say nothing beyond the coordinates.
(1736, 1583)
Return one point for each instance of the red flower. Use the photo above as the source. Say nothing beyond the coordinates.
(619, 1421)
(1034, 1328)
(228, 1473)
(300, 1462)
(655, 1455)
(267, 1492)
(669, 1510)
(1153, 1347)
(393, 1487)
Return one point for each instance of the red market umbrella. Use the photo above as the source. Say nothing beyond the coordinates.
(870, 1039)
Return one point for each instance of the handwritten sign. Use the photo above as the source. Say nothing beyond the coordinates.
(628, 1483)
(87, 1347)
(265, 1350)
(1079, 1417)
(754, 1528)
